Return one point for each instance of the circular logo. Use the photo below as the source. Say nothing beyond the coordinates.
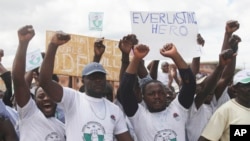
(53, 137)
(93, 131)
(165, 135)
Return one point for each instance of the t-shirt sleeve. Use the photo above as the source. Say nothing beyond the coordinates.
(28, 110)
(68, 100)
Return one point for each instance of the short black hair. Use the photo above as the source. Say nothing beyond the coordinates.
(148, 82)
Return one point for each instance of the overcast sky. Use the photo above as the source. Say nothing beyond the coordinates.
(71, 16)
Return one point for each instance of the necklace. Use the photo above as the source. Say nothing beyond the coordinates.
(98, 106)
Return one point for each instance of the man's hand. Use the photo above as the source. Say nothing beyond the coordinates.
(60, 38)
(25, 34)
(168, 50)
(200, 40)
(127, 43)
(99, 47)
(140, 51)
(232, 26)
(233, 42)
(132, 37)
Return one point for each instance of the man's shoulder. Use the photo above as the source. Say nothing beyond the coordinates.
(112, 106)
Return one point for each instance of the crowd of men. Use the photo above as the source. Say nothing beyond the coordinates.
(177, 104)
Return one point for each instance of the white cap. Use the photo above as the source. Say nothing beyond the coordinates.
(242, 76)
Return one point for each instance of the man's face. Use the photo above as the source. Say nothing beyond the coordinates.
(44, 103)
(165, 67)
(155, 97)
(95, 84)
(243, 92)
(231, 91)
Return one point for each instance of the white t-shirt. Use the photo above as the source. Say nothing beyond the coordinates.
(128, 123)
(198, 118)
(90, 119)
(34, 126)
(166, 125)
(11, 114)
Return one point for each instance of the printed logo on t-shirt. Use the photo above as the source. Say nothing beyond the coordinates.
(176, 116)
(53, 137)
(93, 131)
(165, 135)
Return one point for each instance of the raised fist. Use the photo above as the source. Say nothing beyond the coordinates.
(60, 38)
(232, 26)
(26, 33)
(168, 50)
(127, 43)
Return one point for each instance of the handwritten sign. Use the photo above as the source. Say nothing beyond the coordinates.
(72, 57)
(33, 59)
(155, 29)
